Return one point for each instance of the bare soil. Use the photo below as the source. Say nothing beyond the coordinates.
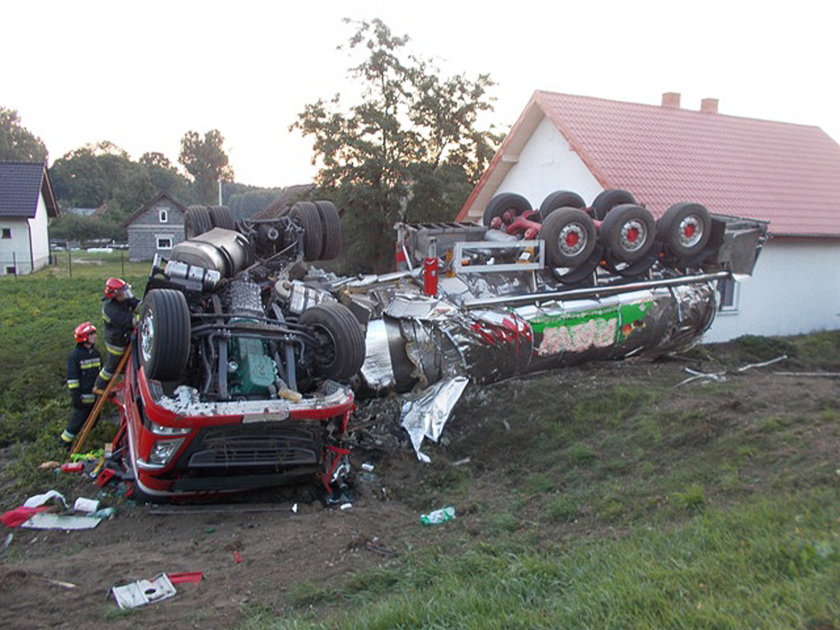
(254, 554)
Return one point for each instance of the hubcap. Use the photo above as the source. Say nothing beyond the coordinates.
(147, 332)
(633, 235)
(690, 231)
(572, 239)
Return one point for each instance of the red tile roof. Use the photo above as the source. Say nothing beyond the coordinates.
(779, 172)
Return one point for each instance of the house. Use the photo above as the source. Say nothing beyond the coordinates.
(27, 202)
(783, 173)
(155, 228)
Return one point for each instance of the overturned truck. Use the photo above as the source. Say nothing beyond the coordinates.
(246, 357)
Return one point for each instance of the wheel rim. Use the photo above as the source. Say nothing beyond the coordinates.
(147, 332)
(324, 350)
(690, 231)
(572, 239)
(633, 235)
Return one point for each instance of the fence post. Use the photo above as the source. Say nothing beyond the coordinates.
(122, 264)
(69, 263)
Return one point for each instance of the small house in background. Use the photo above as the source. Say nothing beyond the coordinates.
(783, 173)
(155, 228)
(27, 202)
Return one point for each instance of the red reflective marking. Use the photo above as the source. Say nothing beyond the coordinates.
(572, 239)
(632, 234)
(689, 230)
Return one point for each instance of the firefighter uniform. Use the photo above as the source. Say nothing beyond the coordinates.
(118, 316)
(83, 365)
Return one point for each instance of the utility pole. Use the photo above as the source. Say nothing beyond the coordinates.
(220, 192)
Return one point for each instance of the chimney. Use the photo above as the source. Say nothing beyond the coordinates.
(671, 99)
(709, 105)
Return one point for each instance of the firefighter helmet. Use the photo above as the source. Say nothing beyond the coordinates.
(83, 331)
(114, 286)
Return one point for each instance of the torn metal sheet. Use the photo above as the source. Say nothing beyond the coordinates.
(143, 592)
(426, 416)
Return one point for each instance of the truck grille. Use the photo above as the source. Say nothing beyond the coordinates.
(273, 446)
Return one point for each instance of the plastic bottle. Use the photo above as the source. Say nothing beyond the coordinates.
(438, 516)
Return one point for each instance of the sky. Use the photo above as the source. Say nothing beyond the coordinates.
(141, 74)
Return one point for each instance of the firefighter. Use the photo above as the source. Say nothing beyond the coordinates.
(82, 368)
(118, 314)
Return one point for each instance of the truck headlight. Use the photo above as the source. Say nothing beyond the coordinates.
(159, 429)
(163, 450)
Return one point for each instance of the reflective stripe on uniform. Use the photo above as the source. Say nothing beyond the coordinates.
(90, 363)
(66, 436)
(117, 350)
(88, 398)
(72, 383)
(105, 375)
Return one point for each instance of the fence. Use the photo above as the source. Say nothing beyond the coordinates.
(74, 264)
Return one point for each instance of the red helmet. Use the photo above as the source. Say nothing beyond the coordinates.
(114, 286)
(83, 331)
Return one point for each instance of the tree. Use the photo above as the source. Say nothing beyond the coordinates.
(411, 150)
(165, 176)
(206, 161)
(16, 141)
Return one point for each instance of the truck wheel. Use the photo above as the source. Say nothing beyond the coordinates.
(609, 199)
(503, 202)
(164, 334)
(340, 345)
(306, 215)
(570, 237)
(628, 233)
(330, 228)
(560, 199)
(221, 217)
(197, 221)
(684, 228)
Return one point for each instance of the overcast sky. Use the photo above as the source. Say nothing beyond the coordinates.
(141, 74)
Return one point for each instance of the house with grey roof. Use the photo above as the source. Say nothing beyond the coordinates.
(784, 173)
(155, 228)
(27, 202)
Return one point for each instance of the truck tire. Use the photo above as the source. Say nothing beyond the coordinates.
(609, 199)
(684, 229)
(570, 237)
(305, 214)
(197, 221)
(221, 217)
(330, 228)
(560, 199)
(503, 202)
(164, 333)
(340, 345)
(628, 233)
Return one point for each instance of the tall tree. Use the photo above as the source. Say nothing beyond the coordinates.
(206, 161)
(16, 141)
(165, 176)
(409, 151)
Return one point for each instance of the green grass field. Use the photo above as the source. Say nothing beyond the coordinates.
(601, 497)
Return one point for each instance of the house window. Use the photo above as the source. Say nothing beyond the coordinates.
(164, 242)
(7, 232)
(728, 291)
(163, 215)
(11, 271)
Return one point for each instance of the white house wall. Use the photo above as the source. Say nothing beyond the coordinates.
(794, 290)
(14, 251)
(548, 163)
(40, 235)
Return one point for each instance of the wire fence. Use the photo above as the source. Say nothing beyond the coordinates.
(73, 264)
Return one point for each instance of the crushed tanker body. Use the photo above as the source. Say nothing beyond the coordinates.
(246, 357)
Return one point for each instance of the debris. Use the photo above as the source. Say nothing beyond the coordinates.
(108, 512)
(75, 467)
(40, 499)
(88, 506)
(143, 592)
(236, 557)
(44, 520)
(367, 467)
(426, 416)
(810, 374)
(295, 508)
(719, 377)
(193, 577)
(18, 516)
(90, 456)
(48, 465)
(376, 547)
(461, 462)
(437, 517)
(346, 506)
(366, 477)
(765, 364)
(6, 542)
